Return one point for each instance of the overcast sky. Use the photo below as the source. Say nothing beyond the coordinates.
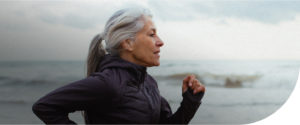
(191, 29)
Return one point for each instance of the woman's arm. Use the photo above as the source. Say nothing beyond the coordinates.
(185, 112)
(80, 95)
(193, 92)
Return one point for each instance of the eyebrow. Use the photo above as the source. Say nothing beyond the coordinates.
(153, 29)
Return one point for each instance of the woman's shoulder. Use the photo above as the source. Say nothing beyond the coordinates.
(111, 75)
(150, 79)
(114, 78)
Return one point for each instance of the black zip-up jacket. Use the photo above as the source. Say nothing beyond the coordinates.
(119, 92)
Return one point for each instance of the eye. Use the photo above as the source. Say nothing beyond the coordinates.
(152, 34)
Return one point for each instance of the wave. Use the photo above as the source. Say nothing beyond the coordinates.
(231, 80)
(25, 81)
(4, 77)
(182, 75)
(245, 78)
(12, 102)
(221, 80)
(30, 82)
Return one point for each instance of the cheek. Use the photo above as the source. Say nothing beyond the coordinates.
(146, 47)
(145, 52)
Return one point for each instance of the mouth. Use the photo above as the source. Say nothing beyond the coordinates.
(156, 52)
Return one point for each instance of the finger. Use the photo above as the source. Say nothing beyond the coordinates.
(203, 88)
(191, 80)
(199, 89)
(195, 84)
(185, 83)
(186, 79)
(196, 90)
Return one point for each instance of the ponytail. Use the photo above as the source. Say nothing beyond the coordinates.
(96, 52)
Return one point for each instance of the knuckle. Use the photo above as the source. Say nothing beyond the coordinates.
(192, 76)
(199, 89)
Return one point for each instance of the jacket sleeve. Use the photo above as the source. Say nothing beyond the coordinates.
(184, 113)
(80, 95)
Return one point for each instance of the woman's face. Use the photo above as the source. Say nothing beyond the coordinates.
(146, 47)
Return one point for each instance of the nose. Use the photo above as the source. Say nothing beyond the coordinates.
(159, 42)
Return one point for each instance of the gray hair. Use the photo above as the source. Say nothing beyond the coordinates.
(122, 25)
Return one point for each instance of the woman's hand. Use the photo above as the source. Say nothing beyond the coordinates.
(191, 82)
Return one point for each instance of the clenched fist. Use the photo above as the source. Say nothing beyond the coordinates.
(191, 82)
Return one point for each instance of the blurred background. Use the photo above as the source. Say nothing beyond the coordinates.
(245, 52)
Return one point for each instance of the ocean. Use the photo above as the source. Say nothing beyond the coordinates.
(237, 92)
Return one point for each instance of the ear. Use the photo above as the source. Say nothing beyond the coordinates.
(127, 45)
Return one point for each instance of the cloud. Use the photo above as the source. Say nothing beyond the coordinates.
(86, 15)
(259, 10)
(81, 15)
(239, 39)
(63, 30)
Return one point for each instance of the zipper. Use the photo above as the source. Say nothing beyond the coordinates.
(146, 93)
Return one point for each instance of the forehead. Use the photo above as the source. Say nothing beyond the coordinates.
(149, 25)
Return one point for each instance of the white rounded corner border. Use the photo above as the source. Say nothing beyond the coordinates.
(288, 113)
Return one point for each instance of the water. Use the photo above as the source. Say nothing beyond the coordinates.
(238, 92)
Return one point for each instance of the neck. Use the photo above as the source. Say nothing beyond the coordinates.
(130, 58)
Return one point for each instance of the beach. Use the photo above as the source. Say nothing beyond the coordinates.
(237, 92)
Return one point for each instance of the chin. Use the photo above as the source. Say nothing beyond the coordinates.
(157, 63)
(153, 64)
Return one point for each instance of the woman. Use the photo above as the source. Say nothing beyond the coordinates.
(118, 88)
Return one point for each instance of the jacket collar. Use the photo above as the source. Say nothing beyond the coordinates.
(109, 61)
